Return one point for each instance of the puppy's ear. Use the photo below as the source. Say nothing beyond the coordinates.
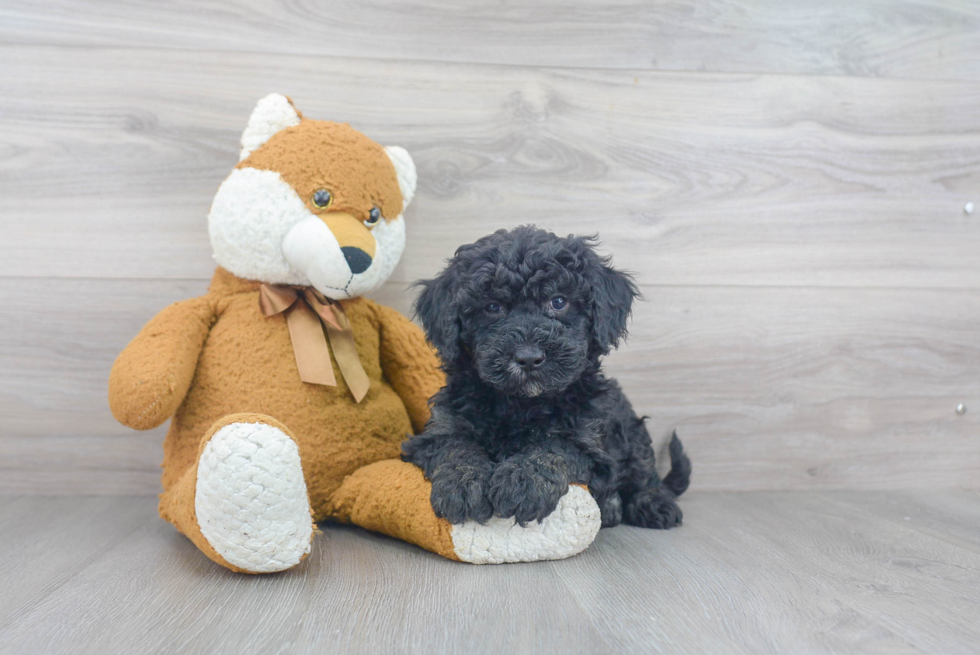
(437, 309)
(613, 293)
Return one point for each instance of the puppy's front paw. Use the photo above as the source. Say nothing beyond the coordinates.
(521, 489)
(460, 493)
(652, 508)
(611, 508)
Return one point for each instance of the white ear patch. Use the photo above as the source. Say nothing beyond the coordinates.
(405, 168)
(271, 114)
(250, 216)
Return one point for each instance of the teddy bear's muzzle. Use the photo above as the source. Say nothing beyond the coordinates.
(355, 239)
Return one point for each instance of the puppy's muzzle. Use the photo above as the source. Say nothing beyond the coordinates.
(529, 358)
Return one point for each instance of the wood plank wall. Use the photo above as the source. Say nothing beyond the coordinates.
(786, 180)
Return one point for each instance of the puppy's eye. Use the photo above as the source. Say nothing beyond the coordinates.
(558, 303)
(322, 198)
(493, 308)
(374, 217)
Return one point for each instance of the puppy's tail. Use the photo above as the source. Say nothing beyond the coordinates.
(679, 477)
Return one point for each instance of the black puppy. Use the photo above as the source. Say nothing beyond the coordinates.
(520, 319)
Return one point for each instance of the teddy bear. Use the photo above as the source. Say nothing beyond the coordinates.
(290, 392)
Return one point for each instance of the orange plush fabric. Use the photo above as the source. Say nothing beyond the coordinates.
(312, 203)
(144, 390)
(365, 499)
(244, 363)
(320, 154)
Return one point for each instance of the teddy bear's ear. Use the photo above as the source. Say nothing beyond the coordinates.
(272, 113)
(405, 168)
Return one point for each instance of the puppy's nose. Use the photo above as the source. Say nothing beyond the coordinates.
(357, 259)
(529, 357)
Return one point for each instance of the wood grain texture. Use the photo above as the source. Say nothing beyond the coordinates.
(689, 178)
(875, 38)
(757, 573)
(58, 340)
(768, 387)
(45, 543)
(812, 282)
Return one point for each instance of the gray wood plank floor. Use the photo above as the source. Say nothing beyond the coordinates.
(755, 572)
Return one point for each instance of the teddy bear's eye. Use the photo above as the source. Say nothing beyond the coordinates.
(322, 198)
(373, 217)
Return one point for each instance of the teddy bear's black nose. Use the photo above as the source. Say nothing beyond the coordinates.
(529, 357)
(357, 259)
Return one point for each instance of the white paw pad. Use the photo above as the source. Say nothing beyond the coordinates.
(565, 532)
(251, 499)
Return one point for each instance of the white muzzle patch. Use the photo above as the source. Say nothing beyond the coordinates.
(260, 229)
(312, 248)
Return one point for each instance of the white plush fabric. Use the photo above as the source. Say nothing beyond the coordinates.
(311, 248)
(261, 230)
(251, 499)
(405, 168)
(565, 532)
(271, 114)
(250, 215)
(390, 239)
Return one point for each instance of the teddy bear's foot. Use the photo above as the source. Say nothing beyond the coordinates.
(565, 532)
(393, 497)
(251, 501)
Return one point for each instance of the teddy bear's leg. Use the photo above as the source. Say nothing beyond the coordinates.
(244, 503)
(392, 497)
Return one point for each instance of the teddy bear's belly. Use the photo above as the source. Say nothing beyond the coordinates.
(336, 436)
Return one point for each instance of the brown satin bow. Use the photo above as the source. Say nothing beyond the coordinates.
(305, 309)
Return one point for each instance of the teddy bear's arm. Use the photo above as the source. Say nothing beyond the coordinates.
(152, 374)
(409, 364)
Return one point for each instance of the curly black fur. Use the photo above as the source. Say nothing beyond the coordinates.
(526, 410)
